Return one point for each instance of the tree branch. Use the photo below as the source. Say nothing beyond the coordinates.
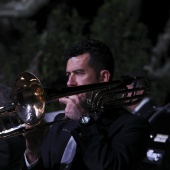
(22, 8)
(160, 60)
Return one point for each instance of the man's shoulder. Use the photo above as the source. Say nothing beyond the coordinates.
(128, 117)
(126, 121)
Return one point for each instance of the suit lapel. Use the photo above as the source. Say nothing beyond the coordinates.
(60, 138)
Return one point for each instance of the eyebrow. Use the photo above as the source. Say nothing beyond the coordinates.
(74, 71)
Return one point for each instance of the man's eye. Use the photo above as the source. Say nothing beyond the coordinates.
(79, 73)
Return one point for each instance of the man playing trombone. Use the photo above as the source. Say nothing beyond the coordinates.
(112, 139)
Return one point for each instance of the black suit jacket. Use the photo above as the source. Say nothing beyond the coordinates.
(115, 142)
(11, 153)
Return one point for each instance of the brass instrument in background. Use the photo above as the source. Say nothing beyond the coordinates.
(30, 99)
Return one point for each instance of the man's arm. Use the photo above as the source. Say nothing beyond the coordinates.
(123, 145)
(33, 141)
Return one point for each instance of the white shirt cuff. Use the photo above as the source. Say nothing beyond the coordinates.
(29, 166)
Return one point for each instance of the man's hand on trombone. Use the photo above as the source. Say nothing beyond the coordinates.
(75, 106)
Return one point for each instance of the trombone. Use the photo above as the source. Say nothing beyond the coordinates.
(30, 99)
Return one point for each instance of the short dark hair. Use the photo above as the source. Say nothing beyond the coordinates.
(101, 57)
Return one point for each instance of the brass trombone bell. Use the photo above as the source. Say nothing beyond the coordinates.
(29, 98)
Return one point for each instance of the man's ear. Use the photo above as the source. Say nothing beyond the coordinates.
(104, 76)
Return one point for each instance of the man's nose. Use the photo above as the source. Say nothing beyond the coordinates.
(71, 81)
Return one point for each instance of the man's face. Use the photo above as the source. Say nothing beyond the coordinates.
(79, 72)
